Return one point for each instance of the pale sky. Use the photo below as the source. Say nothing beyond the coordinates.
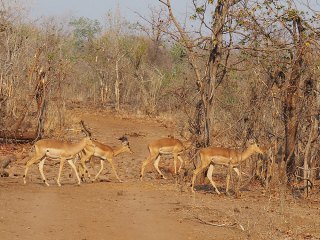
(97, 9)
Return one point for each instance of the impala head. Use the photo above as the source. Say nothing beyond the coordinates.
(255, 147)
(86, 132)
(125, 144)
(89, 142)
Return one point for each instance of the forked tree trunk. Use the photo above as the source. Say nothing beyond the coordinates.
(40, 96)
(210, 79)
(291, 102)
(206, 83)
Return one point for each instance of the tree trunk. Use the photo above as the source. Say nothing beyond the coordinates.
(116, 86)
(306, 162)
(211, 74)
(291, 126)
(291, 104)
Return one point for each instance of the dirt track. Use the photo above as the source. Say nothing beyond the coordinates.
(153, 209)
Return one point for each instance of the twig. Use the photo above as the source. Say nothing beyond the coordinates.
(216, 224)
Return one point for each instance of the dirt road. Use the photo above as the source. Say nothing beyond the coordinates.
(153, 209)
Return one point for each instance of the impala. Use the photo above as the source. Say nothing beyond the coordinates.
(230, 158)
(56, 149)
(105, 153)
(165, 146)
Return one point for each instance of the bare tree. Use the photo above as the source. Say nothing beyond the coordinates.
(208, 47)
(281, 39)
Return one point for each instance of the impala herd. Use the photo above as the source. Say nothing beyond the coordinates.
(87, 147)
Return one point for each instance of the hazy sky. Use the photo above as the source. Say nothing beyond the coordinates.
(96, 9)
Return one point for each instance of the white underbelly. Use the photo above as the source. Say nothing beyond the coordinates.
(54, 155)
(165, 152)
(220, 161)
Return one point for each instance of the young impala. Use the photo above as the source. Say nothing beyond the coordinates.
(165, 146)
(230, 158)
(56, 150)
(104, 152)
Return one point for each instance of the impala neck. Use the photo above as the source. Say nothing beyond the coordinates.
(80, 145)
(246, 154)
(118, 150)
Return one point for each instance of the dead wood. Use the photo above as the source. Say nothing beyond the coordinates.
(6, 160)
(216, 224)
(14, 137)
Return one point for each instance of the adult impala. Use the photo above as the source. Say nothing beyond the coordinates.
(56, 150)
(166, 146)
(230, 158)
(104, 152)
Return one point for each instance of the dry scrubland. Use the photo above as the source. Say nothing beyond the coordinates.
(236, 70)
(152, 209)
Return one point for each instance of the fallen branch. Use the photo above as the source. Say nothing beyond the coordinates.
(7, 137)
(6, 160)
(216, 224)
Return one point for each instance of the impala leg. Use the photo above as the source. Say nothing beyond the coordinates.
(85, 170)
(145, 163)
(156, 165)
(228, 179)
(85, 158)
(75, 161)
(239, 181)
(175, 156)
(60, 170)
(101, 168)
(237, 171)
(80, 170)
(195, 173)
(181, 163)
(114, 170)
(29, 163)
(92, 166)
(74, 169)
(41, 163)
(209, 175)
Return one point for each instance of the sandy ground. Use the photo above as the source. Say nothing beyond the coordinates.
(152, 209)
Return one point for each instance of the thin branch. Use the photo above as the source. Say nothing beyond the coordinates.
(232, 225)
